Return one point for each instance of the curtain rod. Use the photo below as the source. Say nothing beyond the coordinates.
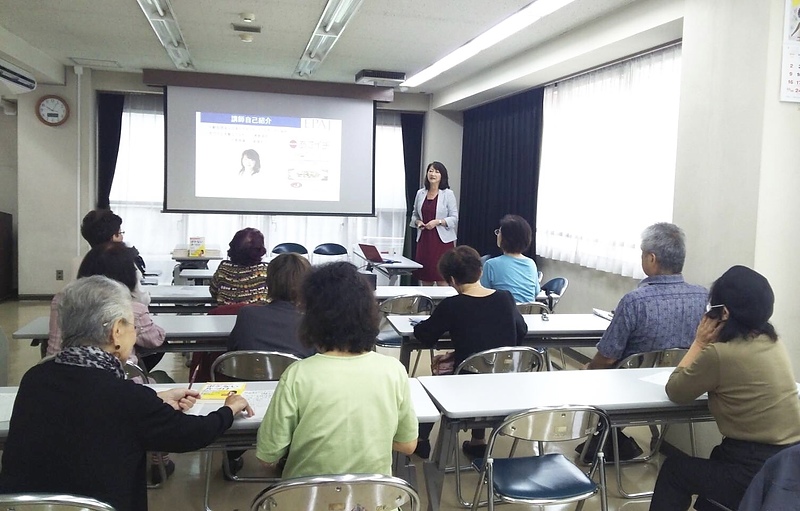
(654, 49)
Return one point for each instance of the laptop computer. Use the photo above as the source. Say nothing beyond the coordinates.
(372, 255)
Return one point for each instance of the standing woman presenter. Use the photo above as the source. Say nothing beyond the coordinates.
(435, 216)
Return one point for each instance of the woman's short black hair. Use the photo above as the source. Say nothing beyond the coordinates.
(112, 259)
(515, 234)
(340, 309)
(99, 226)
(251, 154)
(445, 182)
(247, 247)
(749, 299)
(285, 276)
(463, 264)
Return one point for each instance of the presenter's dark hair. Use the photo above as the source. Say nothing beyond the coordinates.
(749, 299)
(515, 234)
(285, 276)
(463, 264)
(247, 247)
(99, 226)
(253, 155)
(112, 259)
(445, 182)
(340, 309)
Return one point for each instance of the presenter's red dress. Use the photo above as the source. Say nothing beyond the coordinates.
(430, 247)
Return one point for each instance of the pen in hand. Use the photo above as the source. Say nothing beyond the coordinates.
(194, 376)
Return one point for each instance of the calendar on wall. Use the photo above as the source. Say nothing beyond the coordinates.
(790, 64)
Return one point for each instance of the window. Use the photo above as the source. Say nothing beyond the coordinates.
(138, 189)
(608, 162)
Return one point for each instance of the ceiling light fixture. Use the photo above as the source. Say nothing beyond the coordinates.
(248, 17)
(163, 22)
(523, 18)
(246, 38)
(335, 17)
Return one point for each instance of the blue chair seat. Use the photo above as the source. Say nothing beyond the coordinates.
(548, 477)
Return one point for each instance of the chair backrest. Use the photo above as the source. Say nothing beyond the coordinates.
(285, 248)
(515, 359)
(661, 358)
(553, 424)
(50, 501)
(134, 371)
(251, 365)
(533, 308)
(557, 285)
(228, 309)
(331, 249)
(407, 305)
(346, 492)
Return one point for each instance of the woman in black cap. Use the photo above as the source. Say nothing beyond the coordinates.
(737, 358)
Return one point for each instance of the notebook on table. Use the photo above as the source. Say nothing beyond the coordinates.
(372, 255)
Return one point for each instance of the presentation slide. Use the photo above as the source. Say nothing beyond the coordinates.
(245, 152)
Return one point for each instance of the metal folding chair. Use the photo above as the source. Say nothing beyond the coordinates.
(406, 305)
(546, 478)
(345, 492)
(515, 359)
(50, 501)
(245, 366)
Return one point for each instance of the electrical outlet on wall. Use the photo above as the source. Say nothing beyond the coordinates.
(59, 274)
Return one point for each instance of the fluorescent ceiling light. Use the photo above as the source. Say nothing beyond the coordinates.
(524, 18)
(166, 28)
(335, 17)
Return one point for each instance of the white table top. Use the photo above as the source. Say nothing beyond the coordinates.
(497, 395)
(196, 273)
(437, 293)
(401, 263)
(179, 294)
(176, 327)
(425, 409)
(560, 325)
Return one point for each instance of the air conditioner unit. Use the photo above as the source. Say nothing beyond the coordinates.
(14, 80)
(380, 78)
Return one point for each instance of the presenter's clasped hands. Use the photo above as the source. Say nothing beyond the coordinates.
(430, 225)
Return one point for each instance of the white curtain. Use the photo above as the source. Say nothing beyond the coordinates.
(608, 162)
(138, 190)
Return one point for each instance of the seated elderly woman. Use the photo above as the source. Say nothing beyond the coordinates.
(273, 326)
(513, 271)
(105, 424)
(738, 359)
(242, 278)
(477, 318)
(344, 409)
(114, 260)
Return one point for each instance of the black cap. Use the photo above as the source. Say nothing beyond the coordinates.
(746, 294)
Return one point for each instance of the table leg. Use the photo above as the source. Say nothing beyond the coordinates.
(434, 469)
(405, 353)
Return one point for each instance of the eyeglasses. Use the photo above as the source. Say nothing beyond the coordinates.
(710, 307)
(121, 233)
(497, 232)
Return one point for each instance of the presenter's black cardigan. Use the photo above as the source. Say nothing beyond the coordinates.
(84, 431)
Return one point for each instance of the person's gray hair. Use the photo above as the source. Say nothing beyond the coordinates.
(668, 243)
(89, 308)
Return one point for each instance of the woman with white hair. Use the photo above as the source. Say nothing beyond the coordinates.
(104, 424)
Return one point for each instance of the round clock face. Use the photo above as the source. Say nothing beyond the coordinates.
(52, 110)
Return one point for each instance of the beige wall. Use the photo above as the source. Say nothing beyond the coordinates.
(8, 176)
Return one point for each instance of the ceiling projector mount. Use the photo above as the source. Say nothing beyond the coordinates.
(380, 78)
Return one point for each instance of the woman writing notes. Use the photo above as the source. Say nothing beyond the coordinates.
(435, 216)
(105, 424)
(738, 359)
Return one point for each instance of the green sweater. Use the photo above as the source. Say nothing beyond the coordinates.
(338, 415)
(751, 388)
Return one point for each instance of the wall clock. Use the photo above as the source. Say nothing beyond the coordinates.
(52, 110)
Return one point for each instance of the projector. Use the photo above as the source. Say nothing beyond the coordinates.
(380, 78)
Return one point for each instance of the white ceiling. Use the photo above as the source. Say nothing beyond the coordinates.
(392, 35)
